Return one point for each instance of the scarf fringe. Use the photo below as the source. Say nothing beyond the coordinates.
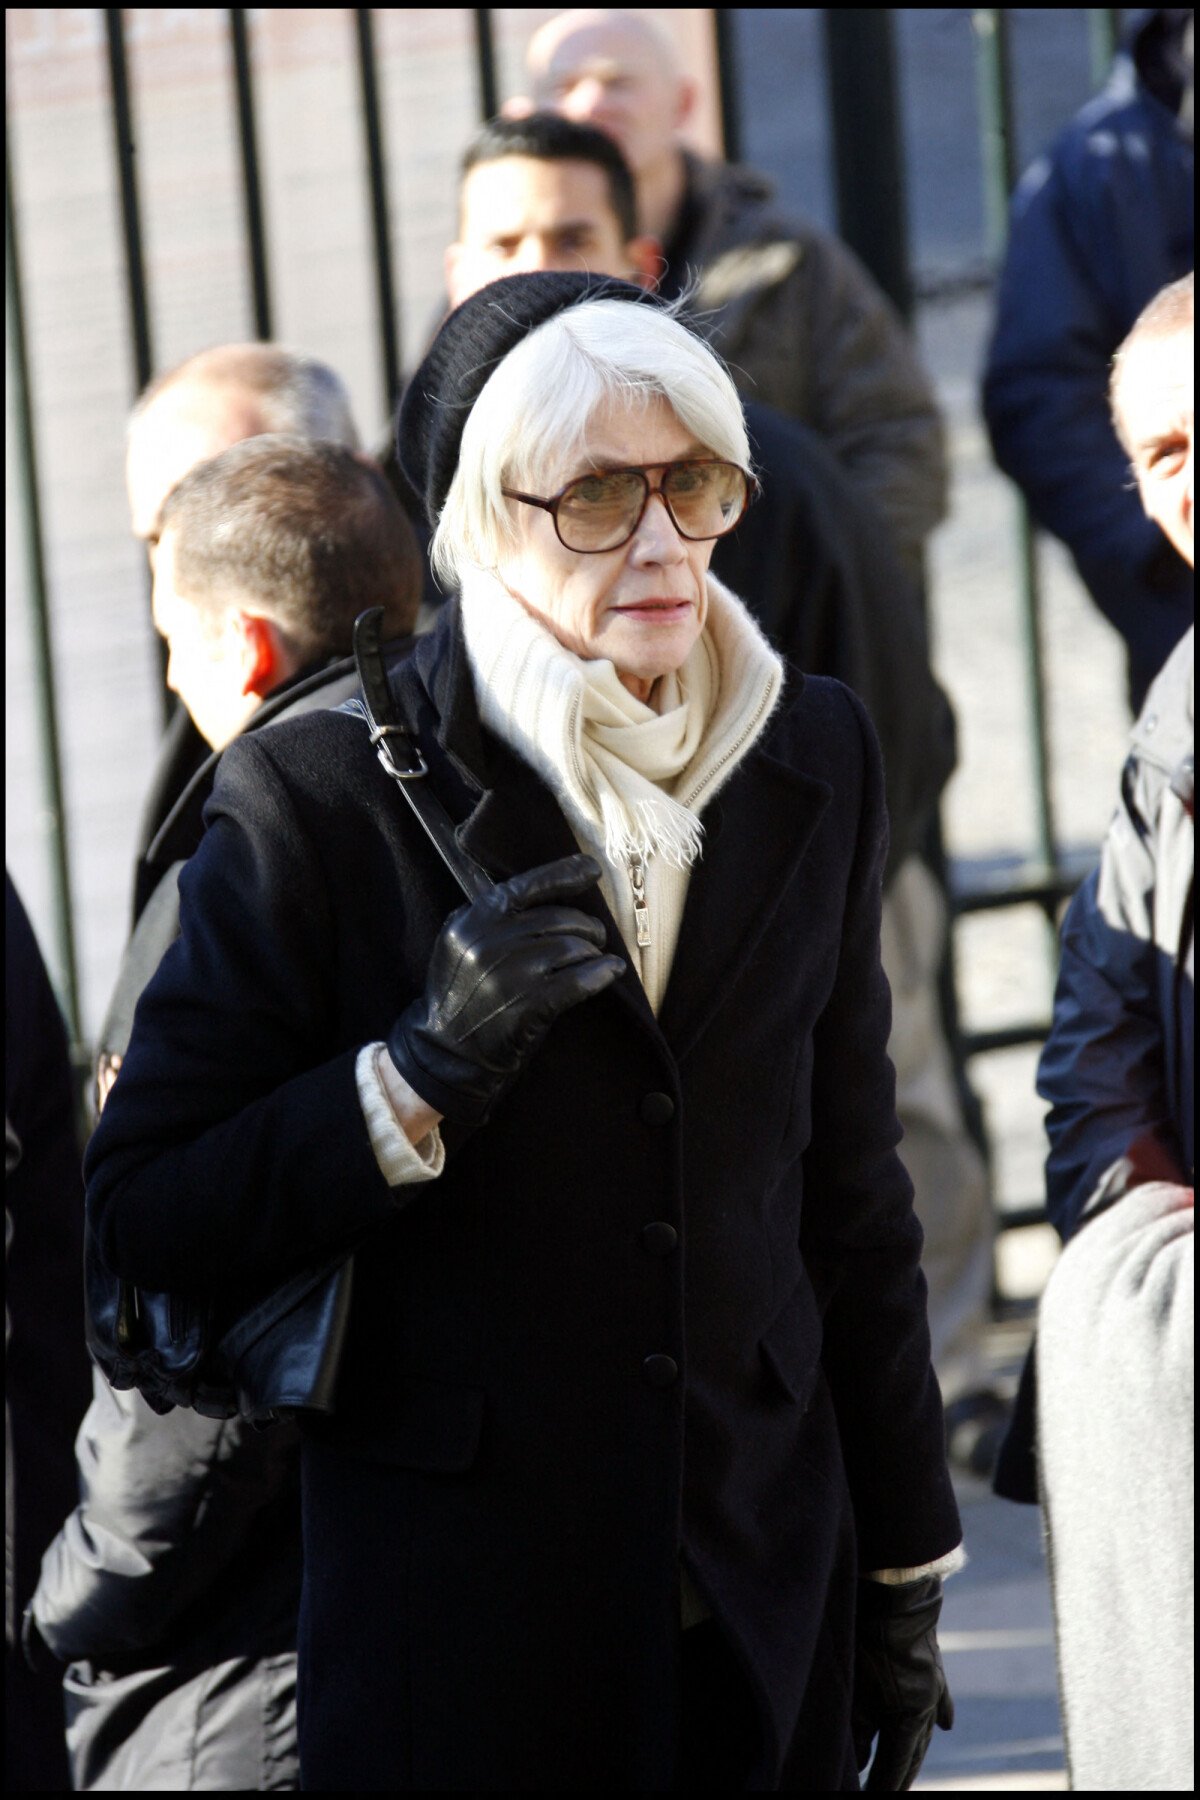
(657, 827)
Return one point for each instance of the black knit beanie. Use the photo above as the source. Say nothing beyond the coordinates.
(476, 337)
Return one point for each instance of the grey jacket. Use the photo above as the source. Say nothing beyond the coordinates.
(172, 1590)
(805, 329)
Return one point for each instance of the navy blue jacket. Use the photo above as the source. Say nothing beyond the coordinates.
(1118, 1067)
(1099, 224)
(494, 1519)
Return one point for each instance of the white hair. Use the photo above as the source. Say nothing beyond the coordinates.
(529, 427)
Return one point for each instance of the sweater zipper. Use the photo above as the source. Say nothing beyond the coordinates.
(641, 912)
(710, 775)
(636, 864)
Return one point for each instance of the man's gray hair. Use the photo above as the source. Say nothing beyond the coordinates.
(295, 393)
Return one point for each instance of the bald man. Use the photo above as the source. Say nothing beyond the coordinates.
(215, 399)
(801, 324)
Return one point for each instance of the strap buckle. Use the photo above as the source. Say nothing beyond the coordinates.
(388, 758)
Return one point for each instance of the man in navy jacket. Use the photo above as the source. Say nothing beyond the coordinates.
(1099, 224)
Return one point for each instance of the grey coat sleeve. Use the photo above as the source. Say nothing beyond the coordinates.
(167, 1507)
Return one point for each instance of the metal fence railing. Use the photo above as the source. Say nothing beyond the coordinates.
(867, 157)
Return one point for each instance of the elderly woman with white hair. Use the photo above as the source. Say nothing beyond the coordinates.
(636, 1478)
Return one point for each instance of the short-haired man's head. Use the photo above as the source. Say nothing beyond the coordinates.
(309, 534)
(529, 427)
(1154, 411)
(1171, 312)
(547, 137)
(219, 397)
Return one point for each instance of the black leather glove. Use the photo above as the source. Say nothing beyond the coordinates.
(899, 1684)
(502, 971)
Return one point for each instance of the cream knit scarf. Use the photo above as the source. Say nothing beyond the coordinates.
(631, 778)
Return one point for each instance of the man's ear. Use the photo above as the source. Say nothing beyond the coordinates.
(266, 659)
(647, 261)
(686, 96)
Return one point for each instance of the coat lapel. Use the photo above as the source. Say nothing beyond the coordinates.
(756, 835)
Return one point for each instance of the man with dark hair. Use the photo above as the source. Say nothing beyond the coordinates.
(494, 204)
(173, 1589)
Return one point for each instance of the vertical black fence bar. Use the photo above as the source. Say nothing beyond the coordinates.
(485, 63)
(31, 519)
(729, 87)
(868, 148)
(136, 289)
(131, 225)
(256, 240)
(389, 325)
(1000, 165)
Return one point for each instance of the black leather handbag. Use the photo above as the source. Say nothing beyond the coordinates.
(280, 1355)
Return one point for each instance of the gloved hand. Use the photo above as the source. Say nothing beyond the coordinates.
(502, 971)
(899, 1684)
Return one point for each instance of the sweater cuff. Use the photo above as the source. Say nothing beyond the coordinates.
(949, 1564)
(400, 1162)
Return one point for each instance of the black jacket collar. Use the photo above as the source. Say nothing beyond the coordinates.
(311, 690)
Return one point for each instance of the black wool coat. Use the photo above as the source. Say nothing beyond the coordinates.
(667, 1304)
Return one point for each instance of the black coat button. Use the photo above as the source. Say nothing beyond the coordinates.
(660, 1371)
(657, 1109)
(659, 1238)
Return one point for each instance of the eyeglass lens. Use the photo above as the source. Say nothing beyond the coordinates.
(599, 512)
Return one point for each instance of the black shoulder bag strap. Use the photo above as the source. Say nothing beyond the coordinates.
(401, 755)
